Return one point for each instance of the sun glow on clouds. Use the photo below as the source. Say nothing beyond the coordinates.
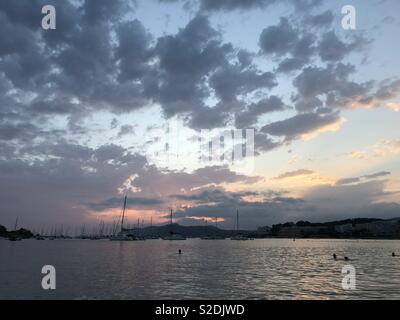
(128, 185)
(334, 127)
(205, 218)
(394, 106)
(379, 150)
(131, 216)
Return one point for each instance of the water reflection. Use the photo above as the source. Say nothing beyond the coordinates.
(223, 269)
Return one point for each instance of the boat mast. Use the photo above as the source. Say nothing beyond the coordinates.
(123, 215)
(170, 224)
(16, 224)
(237, 220)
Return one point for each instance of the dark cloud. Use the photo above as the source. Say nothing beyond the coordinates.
(252, 214)
(19, 131)
(321, 203)
(133, 52)
(278, 40)
(132, 202)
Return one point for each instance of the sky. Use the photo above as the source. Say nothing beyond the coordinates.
(122, 97)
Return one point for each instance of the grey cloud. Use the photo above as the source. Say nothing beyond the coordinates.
(229, 82)
(377, 175)
(388, 90)
(215, 196)
(252, 214)
(126, 129)
(21, 131)
(278, 40)
(331, 48)
(133, 50)
(226, 5)
(321, 203)
(355, 180)
(323, 19)
(132, 202)
(346, 181)
(293, 174)
(290, 64)
(249, 116)
(185, 59)
(333, 82)
(299, 124)
(263, 143)
(285, 39)
(102, 11)
(109, 152)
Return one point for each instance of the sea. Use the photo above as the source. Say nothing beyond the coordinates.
(273, 269)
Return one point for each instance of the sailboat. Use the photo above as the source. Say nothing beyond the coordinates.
(122, 235)
(238, 236)
(15, 237)
(173, 236)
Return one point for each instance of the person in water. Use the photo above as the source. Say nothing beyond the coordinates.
(393, 254)
(334, 256)
(180, 251)
(346, 259)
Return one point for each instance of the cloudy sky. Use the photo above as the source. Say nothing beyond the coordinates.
(116, 99)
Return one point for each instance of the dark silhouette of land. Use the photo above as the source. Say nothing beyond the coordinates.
(358, 228)
(16, 234)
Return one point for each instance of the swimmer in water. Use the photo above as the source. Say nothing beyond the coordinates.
(180, 251)
(334, 256)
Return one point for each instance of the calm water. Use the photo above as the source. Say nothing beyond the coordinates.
(224, 269)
